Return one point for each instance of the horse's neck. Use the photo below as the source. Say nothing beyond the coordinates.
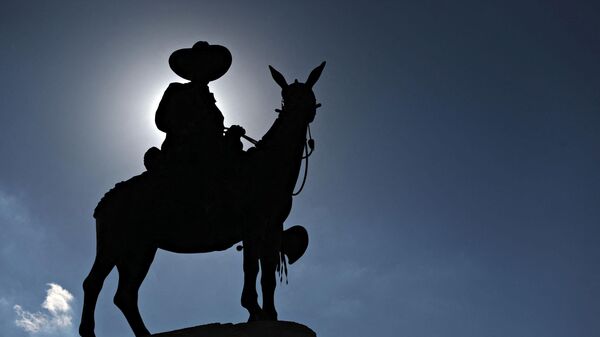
(284, 132)
(281, 148)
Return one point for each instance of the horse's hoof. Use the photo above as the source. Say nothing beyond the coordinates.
(263, 315)
(258, 315)
(252, 318)
(272, 316)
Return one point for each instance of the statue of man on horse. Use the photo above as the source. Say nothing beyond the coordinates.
(202, 193)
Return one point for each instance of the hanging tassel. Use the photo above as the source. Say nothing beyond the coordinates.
(282, 268)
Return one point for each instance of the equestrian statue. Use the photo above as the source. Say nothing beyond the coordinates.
(201, 192)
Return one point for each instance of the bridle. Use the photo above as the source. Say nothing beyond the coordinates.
(308, 143)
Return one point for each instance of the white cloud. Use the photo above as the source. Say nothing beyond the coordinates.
(30, 322)
(18, 228)
(3, 302)
(59, 314)
(58, 299)
(11, 210)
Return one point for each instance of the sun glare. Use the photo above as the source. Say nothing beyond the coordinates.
(156, 135)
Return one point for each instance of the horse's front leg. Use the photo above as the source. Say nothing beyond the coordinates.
(268, 264)
(249, 295)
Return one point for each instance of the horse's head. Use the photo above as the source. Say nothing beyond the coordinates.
(298, 98)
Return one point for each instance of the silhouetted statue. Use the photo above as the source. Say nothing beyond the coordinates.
(196, 197)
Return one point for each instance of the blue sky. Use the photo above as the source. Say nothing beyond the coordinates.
(454, 190)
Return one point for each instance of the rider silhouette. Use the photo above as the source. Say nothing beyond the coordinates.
(187, 113)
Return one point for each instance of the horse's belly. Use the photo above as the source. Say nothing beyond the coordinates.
(199, 238)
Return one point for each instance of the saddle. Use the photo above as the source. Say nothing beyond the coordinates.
(165, 189)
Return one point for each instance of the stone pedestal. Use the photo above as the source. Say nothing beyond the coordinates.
(253, 329)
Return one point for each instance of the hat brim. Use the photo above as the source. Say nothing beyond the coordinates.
(201, 64)
(295, 242)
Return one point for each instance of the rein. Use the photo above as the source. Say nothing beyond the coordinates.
(308, 143)
(249, 139)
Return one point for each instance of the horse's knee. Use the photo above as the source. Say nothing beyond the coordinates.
(268, 279)
(87, 285)
(95, 279)
(124, 300)
(91, 285)
(269, 267)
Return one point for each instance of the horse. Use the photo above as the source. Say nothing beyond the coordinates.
(140, 216)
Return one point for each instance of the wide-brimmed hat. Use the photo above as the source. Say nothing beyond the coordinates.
(295, 241)
(203, 62)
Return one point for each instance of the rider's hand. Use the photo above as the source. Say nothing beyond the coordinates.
(236, 131)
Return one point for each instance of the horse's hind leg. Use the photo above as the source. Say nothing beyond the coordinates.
(132, 271)
(91, 288)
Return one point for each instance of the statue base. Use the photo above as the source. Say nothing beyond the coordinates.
(251, 329)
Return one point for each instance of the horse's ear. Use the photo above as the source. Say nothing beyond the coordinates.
(278, 78)
(314, 75)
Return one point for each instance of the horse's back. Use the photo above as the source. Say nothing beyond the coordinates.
(128, 192)
(178, 196)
